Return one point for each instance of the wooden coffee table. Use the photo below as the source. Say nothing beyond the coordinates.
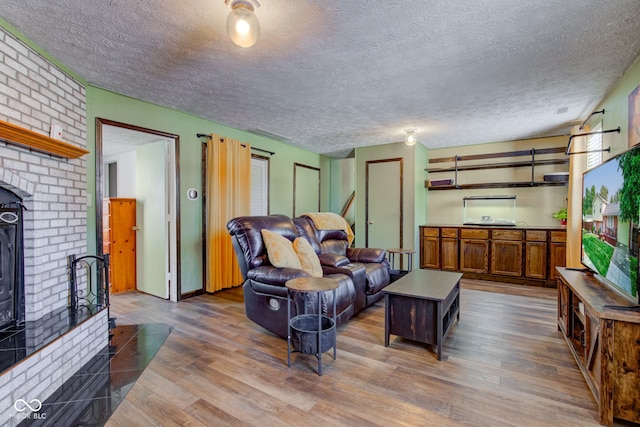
(421, 306)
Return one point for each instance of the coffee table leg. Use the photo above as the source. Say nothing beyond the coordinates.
(386, 320)
(440, 332)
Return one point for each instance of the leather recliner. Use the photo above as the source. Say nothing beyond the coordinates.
(265, 294)
(368, 267)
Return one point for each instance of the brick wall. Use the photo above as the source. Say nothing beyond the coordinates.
(34, 93)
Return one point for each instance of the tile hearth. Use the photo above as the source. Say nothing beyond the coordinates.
(91, 395)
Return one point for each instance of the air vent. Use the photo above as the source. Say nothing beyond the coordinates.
(268, 134)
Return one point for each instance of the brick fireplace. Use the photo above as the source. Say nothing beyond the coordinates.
(34, 95)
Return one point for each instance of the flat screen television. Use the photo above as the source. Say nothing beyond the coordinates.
(610, 217)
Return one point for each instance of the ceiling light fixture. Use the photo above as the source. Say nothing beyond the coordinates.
(410, 138)
(242, 25)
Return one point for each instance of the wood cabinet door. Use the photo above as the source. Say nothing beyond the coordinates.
(430, 256)
(506, 257)
(557, 258)
(123, 245)
(536, 260)
(474, 256)
(450, 254)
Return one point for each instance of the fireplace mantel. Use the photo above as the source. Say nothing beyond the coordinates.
(17, 135)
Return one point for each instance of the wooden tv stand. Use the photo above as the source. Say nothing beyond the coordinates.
(604, 341)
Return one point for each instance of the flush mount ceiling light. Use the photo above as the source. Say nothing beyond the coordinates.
(242, 25)
(410, 138)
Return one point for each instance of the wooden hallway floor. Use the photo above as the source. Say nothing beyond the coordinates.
(504, 364)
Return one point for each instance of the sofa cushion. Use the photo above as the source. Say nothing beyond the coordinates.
(333, 260)
(280, 250)
(377, 277)
(308, 259)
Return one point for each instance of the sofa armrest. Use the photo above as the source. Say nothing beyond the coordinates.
(275, 276)
(333, 260)
(367, 255)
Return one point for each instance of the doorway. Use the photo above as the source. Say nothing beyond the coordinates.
(383, 206)
(146, 167)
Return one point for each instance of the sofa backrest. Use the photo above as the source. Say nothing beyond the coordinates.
(322, 241)
(245, 230)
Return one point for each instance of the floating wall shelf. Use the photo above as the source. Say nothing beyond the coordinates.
(532, 163)
(17, 135)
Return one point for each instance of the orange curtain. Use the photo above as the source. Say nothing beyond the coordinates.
(228, 185)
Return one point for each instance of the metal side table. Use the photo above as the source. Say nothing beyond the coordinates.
(311, 333)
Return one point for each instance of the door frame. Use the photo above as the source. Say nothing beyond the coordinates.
(303, 166)
(366, 198)
(175, 291)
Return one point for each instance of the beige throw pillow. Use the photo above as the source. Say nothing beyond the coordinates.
(308, 258)
(280, 250)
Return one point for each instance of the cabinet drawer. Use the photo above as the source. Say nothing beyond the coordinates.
(450, 232)
(507, 235)
(537, 235)
(558, 236)
(467, 233)
(430, 232)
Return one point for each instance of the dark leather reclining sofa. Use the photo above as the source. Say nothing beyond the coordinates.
(361, 273)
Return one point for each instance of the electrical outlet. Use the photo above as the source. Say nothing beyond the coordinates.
(56, 131)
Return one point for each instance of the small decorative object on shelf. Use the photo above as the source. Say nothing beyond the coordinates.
(440, 182)
(561, 215)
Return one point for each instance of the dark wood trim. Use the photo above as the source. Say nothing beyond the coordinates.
(192, 294)
(176, 140)
(100, 122)
(296, 165)
(486, 156)
(501, 165)
(204, 215)
(495, 185)
(401, 207)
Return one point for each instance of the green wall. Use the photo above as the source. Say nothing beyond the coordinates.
(112, 106)
(616, 106)
(415, 195)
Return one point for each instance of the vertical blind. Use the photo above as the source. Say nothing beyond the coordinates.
(259, 186)
(594, 144)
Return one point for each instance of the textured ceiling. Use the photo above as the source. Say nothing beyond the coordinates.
(333, 75)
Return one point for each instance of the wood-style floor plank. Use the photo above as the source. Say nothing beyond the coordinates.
(504, 364)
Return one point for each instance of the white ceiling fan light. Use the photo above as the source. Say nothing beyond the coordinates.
(410, 138)
(243, 26)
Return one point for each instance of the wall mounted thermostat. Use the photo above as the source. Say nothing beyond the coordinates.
(192, 194)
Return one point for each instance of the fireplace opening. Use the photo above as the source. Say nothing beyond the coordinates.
(11, 260)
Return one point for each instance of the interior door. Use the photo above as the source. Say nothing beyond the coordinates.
(152, 217)
(383, 212)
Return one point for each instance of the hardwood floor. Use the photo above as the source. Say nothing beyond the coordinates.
(504, 364)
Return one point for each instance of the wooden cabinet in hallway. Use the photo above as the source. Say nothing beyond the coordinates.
(119, 237)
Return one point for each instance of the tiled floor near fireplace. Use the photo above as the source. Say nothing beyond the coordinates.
(96, 390)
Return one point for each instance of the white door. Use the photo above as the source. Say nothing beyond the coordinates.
(152, 234)
(383, 215)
